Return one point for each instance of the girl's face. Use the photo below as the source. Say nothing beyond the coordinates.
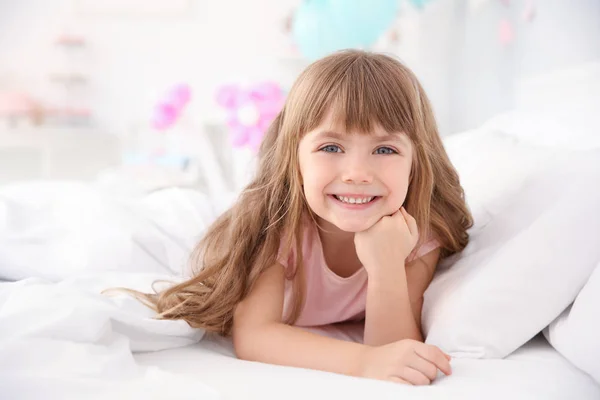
(352, 180)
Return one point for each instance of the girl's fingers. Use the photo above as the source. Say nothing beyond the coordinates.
(399, 380)
(410, 222)
(427, 368)
(435, 356)
(414, 377)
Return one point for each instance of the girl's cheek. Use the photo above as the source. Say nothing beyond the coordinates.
(323, 164)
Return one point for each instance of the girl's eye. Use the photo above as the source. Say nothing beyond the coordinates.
(331, 148)
(385, 150)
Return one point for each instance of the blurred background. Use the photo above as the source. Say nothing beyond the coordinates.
(137, 95)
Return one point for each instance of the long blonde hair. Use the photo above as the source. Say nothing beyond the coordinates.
(362, 89)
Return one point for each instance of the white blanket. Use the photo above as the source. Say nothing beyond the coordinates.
(57, 230)
(65, 243)
(67, 341)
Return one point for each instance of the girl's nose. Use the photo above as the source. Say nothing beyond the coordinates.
(357, 171)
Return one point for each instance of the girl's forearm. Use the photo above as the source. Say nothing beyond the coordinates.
(281, 344)
(389, 315)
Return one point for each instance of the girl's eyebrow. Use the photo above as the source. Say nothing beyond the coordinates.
(376, 138)
(391, 137)
(329, 134)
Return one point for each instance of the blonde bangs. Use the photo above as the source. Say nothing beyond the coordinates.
(359, 92)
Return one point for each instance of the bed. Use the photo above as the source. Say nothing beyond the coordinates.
(517, 310)
(72, 343)
(535, 371)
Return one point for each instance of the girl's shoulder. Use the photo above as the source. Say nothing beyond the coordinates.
(311, 248)
(424, 247)
(286, 254)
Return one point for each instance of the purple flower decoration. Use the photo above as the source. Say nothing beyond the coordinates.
(250, 111)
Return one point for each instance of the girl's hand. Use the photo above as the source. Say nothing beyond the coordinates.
(405, 361)
(388, 242)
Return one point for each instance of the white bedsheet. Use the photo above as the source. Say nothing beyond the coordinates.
(65, 340)
(535, 371)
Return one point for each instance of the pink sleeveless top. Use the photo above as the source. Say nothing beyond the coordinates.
(330, 298)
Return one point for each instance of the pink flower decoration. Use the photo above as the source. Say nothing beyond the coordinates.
(165, 115)
(250, 111)
(167, 111)
(180, 95)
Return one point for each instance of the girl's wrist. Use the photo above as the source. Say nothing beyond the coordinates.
(388, 274)
(362, 361)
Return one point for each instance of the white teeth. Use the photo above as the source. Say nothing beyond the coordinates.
(354, 200)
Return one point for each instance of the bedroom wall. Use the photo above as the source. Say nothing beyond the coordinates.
(131, 60)
(452, 45)
(563, 34)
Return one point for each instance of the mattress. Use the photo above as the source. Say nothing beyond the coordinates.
(535, 371)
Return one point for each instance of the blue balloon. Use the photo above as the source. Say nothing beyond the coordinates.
(320, 27)
(419, 3)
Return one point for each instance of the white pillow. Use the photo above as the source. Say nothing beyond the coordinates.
(492, 164)
(532, 248)
(576, 332)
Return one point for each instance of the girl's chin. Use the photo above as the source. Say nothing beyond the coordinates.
(354, 226)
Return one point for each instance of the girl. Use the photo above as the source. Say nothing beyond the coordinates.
(353, 204)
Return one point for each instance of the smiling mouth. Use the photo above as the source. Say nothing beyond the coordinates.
(356, 200)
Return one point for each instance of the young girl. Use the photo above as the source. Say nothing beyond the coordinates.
(353, 204)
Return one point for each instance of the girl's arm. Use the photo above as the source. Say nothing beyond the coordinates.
(395, 299)
(260, 335)
(419, 274)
